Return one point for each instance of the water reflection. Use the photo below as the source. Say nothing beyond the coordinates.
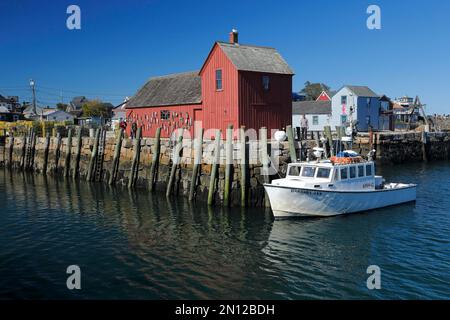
(132, 244)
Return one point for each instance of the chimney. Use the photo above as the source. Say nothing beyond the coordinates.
(234, 36)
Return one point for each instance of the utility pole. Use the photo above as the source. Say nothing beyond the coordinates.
(33, 84)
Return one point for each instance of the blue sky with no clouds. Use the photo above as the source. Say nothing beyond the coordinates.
(123, 43)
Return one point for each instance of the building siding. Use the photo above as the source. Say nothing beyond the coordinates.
(323, 120)
(220, 108)
(149, 118)
(260, 108)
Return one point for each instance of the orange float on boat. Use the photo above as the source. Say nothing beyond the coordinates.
(346, 160)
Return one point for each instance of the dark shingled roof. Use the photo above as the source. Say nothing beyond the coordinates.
(174, 89)
(362, 91)
(254, 58)
(311, 107)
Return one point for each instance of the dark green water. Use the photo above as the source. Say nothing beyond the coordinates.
(133, 245)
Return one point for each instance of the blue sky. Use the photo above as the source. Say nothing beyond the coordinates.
(123, 43)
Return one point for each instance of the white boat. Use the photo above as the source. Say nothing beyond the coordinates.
(328, 188)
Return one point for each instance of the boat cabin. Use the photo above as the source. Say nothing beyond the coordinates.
(326, 175)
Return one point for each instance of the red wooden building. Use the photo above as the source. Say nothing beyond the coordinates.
(238, 84)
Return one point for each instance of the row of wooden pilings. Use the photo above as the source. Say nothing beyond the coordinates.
(94, 172)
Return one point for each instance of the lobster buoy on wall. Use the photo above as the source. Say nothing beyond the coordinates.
(279, 135)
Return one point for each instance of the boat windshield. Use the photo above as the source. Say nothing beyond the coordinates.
(308, 172)
(323, 173)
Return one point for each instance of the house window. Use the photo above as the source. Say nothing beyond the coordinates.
(165, 114)
(266, 82)
(343, 99)
(219, 79)
(315, 120)
(343, 119)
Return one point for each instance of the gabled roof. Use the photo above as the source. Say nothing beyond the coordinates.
(362, 91)
(174, 89)
(311, 107)
(329, 93)
(77, 102)
(253, 58)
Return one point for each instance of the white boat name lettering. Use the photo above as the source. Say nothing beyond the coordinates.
(313, 193)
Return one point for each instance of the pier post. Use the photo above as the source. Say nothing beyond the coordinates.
(116, 158)
(291, 141)
(243, 156)
(11, 150)
(329, 136)
(24, 150)
(58, 150)
(317, 138)
(424, 146)
(228, 164)
(155, 159)
(68, 153)
(46, 150)
(198, 144)
(215, 164)
(265, 161)
(135, 164)
(176, 157)
(33, 150)
(78, 152)
(339, 139)
(93, 156)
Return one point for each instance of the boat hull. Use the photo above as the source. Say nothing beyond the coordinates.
(297, 202)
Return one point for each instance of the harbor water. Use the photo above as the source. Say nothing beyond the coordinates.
(134, 245)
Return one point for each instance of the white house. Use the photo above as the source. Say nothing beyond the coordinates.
(318, 114)
(57, 115)
(356, 103)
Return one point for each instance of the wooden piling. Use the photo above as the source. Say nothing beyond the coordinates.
(317, 138)
(424, 146)
(58, 150)
(339, 138)
(93, 156)
(78, 153)
(46, 150)
(176, 157)
(215, 164)
(11, 151)
(33, 150)
(68, 153)
(135, 164)
(198, 151)
(116, 158)
(329, 136)
(155, 159)
(370, 138)
(243, 156)
(24, 151)
(265, 161)
(291, 141)
(228, 165)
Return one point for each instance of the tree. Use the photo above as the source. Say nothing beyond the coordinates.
(313, 90)
(95, 108)
(61, 106)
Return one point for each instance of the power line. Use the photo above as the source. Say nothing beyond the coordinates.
(87, 93)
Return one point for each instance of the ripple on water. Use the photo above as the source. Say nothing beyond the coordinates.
(133, 245)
